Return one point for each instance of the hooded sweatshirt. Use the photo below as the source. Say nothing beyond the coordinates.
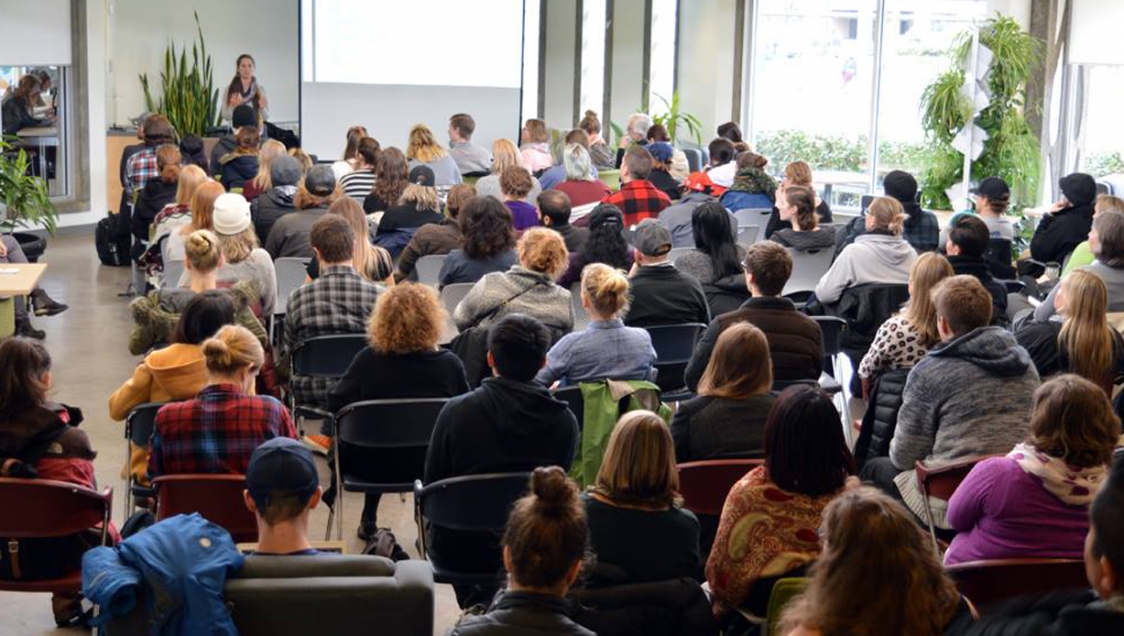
(1059, 233)
(969, 397)
(238, 169)
(267, 207)
(875, 257)
(503, 426)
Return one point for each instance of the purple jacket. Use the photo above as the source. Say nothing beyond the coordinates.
(523, 214)
(1002, 512)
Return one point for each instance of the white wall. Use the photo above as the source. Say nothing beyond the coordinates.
(558, 108)
(706, 62)
(626, 91)
(25, 26)
(140, 30)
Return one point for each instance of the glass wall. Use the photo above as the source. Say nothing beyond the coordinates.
(43, 130)
(531, 18)
(592, 57)
(665, 20)
(1100, 140)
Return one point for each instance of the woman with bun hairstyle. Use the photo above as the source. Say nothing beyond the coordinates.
(880, 255)
(606, 348)
(796, 205)
(158, 192)
(218, 430)
(752, 189)
(544, 547)
(599, 152)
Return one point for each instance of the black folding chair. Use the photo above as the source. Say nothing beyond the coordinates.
(572, 396)
(674, 345)
(380, 447)
(323, 357)
(473, 503)
(140, 423)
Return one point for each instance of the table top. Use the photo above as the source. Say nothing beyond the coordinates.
(18, 279)
(38, 131)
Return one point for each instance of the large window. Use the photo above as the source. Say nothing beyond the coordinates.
(45, 131)
(1100, 138)
(592, 57)
(661, 74)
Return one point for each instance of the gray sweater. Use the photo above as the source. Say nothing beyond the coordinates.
(1113, 278)
(872, 258)
(520, 291)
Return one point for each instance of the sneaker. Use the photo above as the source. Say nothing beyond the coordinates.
(318, 443)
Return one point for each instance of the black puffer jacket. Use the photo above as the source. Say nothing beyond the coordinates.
(1059, 233)
(524, 614)
(865, 308)
(881, 417)
(676, 607)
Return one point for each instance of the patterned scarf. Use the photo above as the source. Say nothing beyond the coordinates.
(1074, 486)
(754, 180)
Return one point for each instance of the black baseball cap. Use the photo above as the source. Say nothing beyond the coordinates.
(281, 465)
(993, 188)
(423, 175)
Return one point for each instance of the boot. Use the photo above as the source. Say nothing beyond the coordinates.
(44, 304)
(25, 330)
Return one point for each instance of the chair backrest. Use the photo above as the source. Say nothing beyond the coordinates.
(327, 356)
(807, 268)
(581, 318)
(611, 178)
(831, 329)
(141, 422)
(753, 216)
(784, 592)
(986, 583)
(291, 274)
(694, 159)
(217, 498)
(675, 343)
(704, 485)
(47, 508)
(428, 268)
(476, 503)
(572, 396)
(452, 295)
(748, 234)
(678, 252)
(941, 481)
(386, 440)
(173, 272)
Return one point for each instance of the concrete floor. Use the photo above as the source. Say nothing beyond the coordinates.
(88, 345)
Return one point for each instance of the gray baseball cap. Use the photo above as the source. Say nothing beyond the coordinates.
(285, 171)
(320, 180)
(652, 238)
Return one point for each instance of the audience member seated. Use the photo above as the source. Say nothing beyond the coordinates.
(423, 150)
(202, 218)
(554, 208)
(487, 239)
(402, 361)
(141, 167)
(678, 216)
(636, 522)
(795, 341)
(243, 116)
(216, 431)
(279, 199)
(993, 197)
(241, 164)
(752, 188)
(289, 236)
(527, 288)
(676, 164)
(43, 305)
(19, 104)
(1081, 327)
(271, 149)
(797, 173)
(716, 259)
(600, 154)
(920, 228)
(371, 261)
(504, 155)
(1083, 255)
(606, 348)
(968, 240)
(556, 174)
(176, 372)
(158, 192)
(515, 183)
(731, 131)
(544, 548)
(637, 199)
(606, 245)
(357, 184)
(1034, 503)
(904, 339)
(635, 134)
(436, 239)
(728, 418)
(797, 206)
(660, 293)
(418, 206)
(470, 158)
(723, 163)
(879, 255)
(509, 424)
(391, 178)
(769, 525)
(340, 301)
(580, 182)
(41, 439)
(177, 212)
(1095, 611)
(662, 156)
(875, 569)
(1106, 240)
(971, 396)
(243, 260)
(282, 490)
(1068, 223)
(350, 157)
(535, 147)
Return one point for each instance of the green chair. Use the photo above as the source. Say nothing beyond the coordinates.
(7, 317)
(470, 180)
(784, 591)
(611, 178)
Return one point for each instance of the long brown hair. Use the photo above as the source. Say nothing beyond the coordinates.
(740, 366)
(23, 364)
(203, 207)
(803, 199)
(877, 573)
(391, 176)
(354, 135)
(547, 531)
(1073, 420)
(235, 85)
(1086, 338)
(638, 468)
(929, 269)
(270, 150)
(168, 163)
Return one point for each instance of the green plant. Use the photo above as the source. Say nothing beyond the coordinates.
(24, 197)
(1100, 165)
(1011, 150)
(674, 117)
(188, 98)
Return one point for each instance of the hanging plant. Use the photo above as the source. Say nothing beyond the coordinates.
(188, 97)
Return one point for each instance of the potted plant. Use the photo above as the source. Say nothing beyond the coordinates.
(25, 201)
(672, 119)
(188, 97)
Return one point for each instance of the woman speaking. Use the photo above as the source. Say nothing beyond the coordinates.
(245, 89)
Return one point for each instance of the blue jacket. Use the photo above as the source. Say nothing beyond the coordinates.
(184, 562)
(734, 200)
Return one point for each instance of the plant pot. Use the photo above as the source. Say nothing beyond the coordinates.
(32, 245)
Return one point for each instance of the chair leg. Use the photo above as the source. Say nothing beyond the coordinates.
(844, 393)
(339, 482)
(328, 530)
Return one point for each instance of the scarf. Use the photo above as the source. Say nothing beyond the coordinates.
(754, 180)
(1074, 486)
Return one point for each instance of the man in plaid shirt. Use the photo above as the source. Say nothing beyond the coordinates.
(638, 199)
(141, 167)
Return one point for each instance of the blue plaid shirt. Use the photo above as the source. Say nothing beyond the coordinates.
(606, 349)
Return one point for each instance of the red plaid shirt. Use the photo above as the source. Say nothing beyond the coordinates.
(216, 432)
(139, 169)
(638, 200)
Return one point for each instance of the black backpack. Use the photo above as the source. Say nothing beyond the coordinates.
(112, 244)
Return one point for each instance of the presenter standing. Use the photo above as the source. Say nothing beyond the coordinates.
(245, 89)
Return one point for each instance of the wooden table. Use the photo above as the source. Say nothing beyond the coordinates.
(23, 280)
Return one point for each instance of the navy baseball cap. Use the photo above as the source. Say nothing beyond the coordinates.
(992, 188)
(662, 151)
(281, 465)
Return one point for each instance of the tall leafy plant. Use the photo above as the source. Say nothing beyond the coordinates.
(24, 197)
(188, 97)
(1011, 150)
